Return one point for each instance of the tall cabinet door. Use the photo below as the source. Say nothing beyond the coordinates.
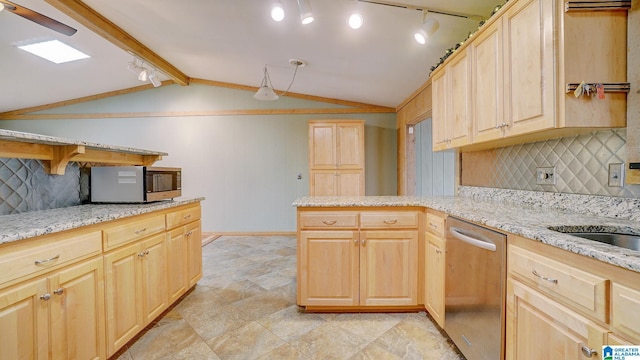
(487, 93)
(350, 146)
(322, 146)
(24, 323)
(194, 252)
(439, 112)
(435, 268)
(177, 262)
(328, 268)
(388, 267)
(529, 66)
(77, 312)
(350, 183)
(459, 103)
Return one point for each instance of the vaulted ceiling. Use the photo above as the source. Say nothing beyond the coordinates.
(230, 41)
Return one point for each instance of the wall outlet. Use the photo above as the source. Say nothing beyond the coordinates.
(546, 175)
(616, 175)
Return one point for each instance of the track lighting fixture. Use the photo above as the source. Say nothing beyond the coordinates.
(266, 92)
(428, 28)
(153, 77)
(277, 10)
(143, 73)
(306, 16)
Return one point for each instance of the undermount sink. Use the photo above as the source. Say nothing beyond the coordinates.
(626, 241)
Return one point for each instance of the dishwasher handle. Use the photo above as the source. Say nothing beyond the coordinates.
(458, 234)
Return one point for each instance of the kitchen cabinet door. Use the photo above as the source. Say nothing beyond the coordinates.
(459, 100)
(177, 263)
(154, 277)
(194, 252)
(322, 146)
(328, 265)
(439, 112)
(350, 145)
(24, 322)
(124, 294)
(529, 66)
(388, 267)
(487, 83)
(435, 268)
(337, 183)
(77, 312)
(538, 328)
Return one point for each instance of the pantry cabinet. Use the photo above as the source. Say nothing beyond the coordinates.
(358, 259)
(524, 64)
(336, 157)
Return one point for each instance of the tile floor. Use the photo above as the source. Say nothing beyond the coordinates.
(244, 308)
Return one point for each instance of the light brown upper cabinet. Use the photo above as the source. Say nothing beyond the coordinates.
(451, 102)
(336, 157)
(523, 66)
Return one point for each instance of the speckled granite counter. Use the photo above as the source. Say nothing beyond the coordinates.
(529, 220)
(23, 226)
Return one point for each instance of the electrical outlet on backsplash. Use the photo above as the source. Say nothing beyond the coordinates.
(581, 165)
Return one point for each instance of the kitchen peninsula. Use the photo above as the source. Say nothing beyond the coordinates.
(586, 292)
(81, 281)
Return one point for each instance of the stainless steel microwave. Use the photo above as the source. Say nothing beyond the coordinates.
(134, 184)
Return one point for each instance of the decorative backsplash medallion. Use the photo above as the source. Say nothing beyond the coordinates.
(26, 186)
(581, 162)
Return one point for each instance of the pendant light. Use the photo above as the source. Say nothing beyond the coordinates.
(266, 93)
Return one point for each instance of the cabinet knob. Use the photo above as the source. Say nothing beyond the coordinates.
(588, 352)
(45, 297)
(59, 291)
(362, 241)
(141, 254)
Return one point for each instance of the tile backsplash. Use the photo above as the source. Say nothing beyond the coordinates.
(25, 185)
(581, 162)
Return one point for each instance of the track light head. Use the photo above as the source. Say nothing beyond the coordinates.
(427, 29)
(277, 11)
(155, 80)
(143, 75)
(306, 16)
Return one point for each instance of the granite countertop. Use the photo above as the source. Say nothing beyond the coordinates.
(36, 223)
(52, 140)
(528, 220)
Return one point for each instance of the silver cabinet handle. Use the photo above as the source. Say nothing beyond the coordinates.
(40, 262)
(588, 352)
(390, 222)
(551, 280)
(140, 231)
(433, 226)
(355, 241)
(45, 297)
(59, 291)
(362, 241)
(329, 222)
(188, 234)
(438, 251)
(187, 217)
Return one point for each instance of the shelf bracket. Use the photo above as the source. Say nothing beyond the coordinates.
(61, 157)
(597, 5)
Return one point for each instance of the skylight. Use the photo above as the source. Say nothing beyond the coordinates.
(54, 51)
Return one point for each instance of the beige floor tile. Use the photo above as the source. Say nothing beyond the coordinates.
(248, 342)
(215, 323)
(263, 304)
(370, 325)
(410, 341)
(291, 323)
(285, 351)
(374, 352)
(329, 342)
(239, 290)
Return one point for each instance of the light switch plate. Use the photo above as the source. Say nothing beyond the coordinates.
(616, 175)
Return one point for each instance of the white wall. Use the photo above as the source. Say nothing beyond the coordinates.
(245, 166)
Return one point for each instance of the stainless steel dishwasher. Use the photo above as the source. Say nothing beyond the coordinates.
(475, 279)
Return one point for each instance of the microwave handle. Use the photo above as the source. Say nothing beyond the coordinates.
(471, 240)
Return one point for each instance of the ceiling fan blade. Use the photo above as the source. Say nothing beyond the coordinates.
(38, 18)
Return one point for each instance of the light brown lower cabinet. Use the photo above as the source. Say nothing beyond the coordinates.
(136, 288)
(84, 293)
(369, 259)
(435, 269)
(57, 316)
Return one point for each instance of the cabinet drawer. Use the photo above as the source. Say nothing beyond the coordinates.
(130, 230)
(323, 220)
(625, 312)
(184, 216)
(40, 255)
(583, 291)
(435, 223)
(389, 220)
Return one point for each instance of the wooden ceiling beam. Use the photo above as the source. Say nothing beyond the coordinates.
(102, 26)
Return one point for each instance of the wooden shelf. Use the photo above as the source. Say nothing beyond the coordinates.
(58, 152)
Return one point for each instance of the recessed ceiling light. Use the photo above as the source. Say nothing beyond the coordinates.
(54, 51)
